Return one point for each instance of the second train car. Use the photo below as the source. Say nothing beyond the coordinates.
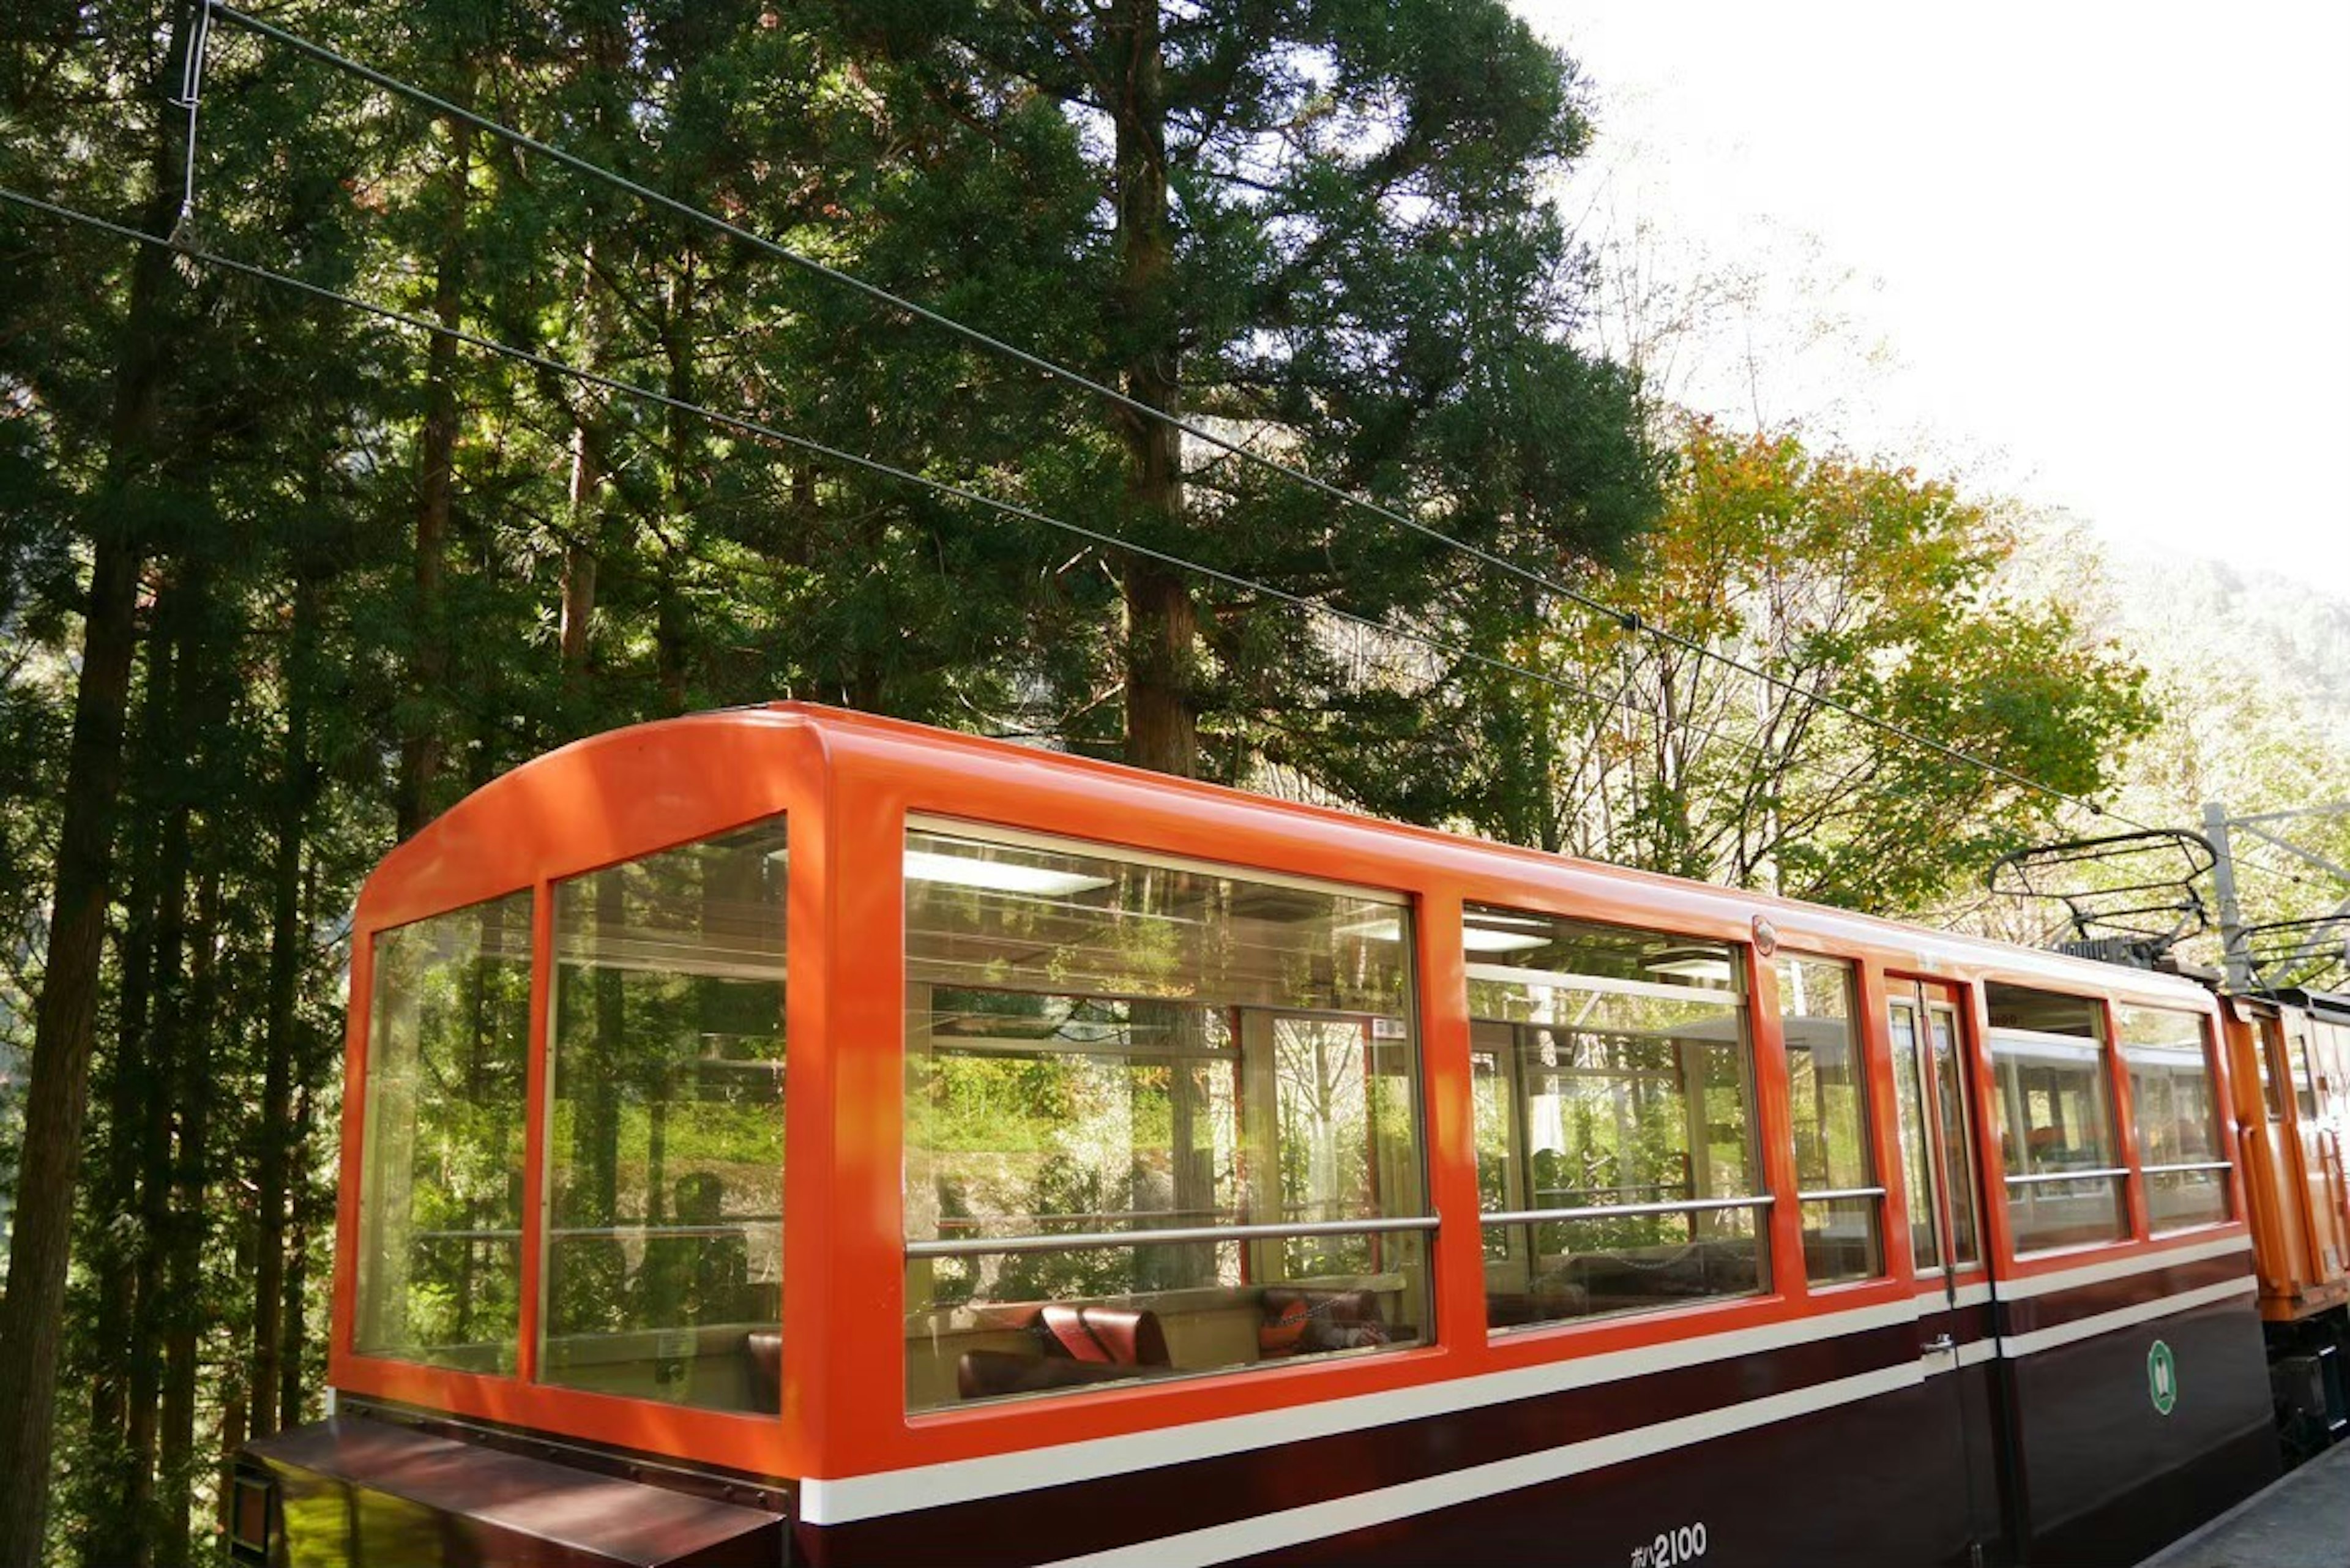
(783, 1135)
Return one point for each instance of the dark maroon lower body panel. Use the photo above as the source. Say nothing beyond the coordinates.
(1117, 1511)
(1876, 1480)
(2105, 1476)
(1868, 1485)
(2139, 1523)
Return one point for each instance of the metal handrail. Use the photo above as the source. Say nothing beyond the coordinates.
(1834, 1194)
(1097, 1239)
(2188, 1165)
(714, 1228)
(2036, 1179)
(1628, 1210)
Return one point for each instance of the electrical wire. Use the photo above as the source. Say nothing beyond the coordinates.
(1630, 621)
(837, 454)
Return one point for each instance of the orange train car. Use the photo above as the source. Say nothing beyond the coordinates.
(2289, 1055)
(783, 1135)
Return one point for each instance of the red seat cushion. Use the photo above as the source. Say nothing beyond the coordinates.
(1112, 1336)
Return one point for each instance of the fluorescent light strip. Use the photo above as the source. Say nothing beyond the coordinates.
(992, 836)
(997, 876)
(1480, 940)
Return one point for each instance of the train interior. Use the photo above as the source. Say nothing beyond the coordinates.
(1160, 1119)
(662, 1269)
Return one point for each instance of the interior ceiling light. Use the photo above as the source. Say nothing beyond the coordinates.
(997, 876)
(1689, 963)
(1475, 939)
(1483, 940)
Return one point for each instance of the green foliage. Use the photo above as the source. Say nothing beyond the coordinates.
(1854, 586)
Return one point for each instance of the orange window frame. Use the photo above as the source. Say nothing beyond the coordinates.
(2140, 1237)
(598, 804)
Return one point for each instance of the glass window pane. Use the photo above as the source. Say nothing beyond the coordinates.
(1604, 1265)
(1958, 1136)
(664, 1247)
(2177, 1115)
(441, 1165)
(1630, 1094)
(2055, 1116)
(1100, 1047)
(2177, 1199)
(1494, 1102)
(2296, 1057)
(1918, 1160)
(1827, 1100)
(1840, 1240)
(2266, 1042)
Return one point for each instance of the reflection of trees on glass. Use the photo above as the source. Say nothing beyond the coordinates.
(1619, 1089)
(1909, 1098)
(1957, 1136)
(1025, 1142)
(2048, 1054)
(664, 1247)
(440, 1272)
(1101, 1046)
(1827, 1106)
(2176, 1113)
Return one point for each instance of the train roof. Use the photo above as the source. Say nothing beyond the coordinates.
(2333, 1005)
(514, 806)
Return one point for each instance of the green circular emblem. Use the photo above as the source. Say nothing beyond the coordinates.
(2161, 1378)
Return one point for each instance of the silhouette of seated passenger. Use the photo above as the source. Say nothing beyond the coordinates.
(697, 1272)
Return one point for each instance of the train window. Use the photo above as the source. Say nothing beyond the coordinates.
(2178, 1117)
(1161, 1118)
(441, 1164)
(1626, 1178)
(2296, 1060)
(2064, 1175)
(665, 1148)
(1958, 1140)
(2266, 1042)
(2332, 1065)
(1914, 1111)
(1828, 1106)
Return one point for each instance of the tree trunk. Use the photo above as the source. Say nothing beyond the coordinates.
(1162, 623)
(307, 1207)
(296, 790)
(152, 1307)
(584, 503)
(122, 1404)
(579, 558)
(423, 745)
(116, 1195)
(57, 1092)
(184, 1260)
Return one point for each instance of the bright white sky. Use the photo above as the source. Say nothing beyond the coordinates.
(2093, 256)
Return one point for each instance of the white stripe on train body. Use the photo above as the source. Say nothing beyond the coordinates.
(852, 1499)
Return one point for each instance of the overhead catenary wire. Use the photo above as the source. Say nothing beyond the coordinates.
(1630, 621)
(747, 426)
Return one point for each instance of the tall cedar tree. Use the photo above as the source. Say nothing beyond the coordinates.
(1320, 225)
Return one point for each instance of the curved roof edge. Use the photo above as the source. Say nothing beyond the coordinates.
(839, 732)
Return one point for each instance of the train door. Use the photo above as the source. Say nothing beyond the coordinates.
(1958, 1345)
(2319, 1145)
